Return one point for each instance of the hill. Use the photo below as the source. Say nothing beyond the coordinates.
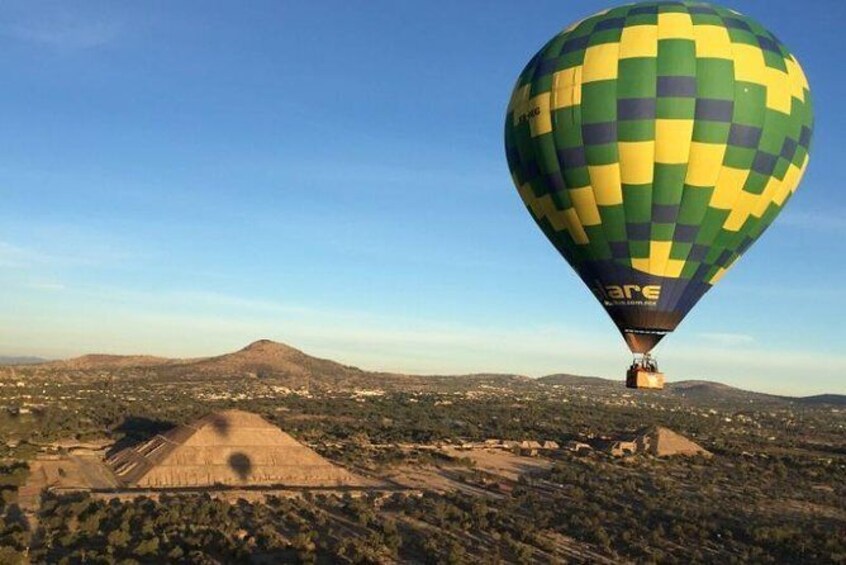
(22, 360)
(265, 359)
(700, 391)
(710, 391)
(270, 360)
(823, 399)
(292, 368)
(102, 361)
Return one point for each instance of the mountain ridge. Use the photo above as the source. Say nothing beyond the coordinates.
(291, 367)
(109, 361)
(11, 360)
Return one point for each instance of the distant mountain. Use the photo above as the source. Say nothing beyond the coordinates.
(269, 359)
(290, 367)
(10, 360)
(283, 364)
(820, 399)
(710, 391)
(287, 366)
(701, 390)
(100, 361)
(695, 390)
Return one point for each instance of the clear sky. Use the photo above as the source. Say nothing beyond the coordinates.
(182, 178)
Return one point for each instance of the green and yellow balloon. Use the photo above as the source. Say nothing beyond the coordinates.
(653, 144)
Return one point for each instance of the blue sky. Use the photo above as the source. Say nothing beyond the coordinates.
(183, 178)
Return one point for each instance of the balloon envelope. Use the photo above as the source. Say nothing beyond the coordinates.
(653, 144)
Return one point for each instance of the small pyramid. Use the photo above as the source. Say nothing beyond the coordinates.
(664, 442)
(231, 448)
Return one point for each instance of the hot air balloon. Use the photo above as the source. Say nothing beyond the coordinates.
(653, 144)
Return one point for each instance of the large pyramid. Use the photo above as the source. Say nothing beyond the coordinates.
(230, 448)
(663, 442)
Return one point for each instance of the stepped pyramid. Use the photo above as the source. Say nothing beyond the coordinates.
(230, 448)
(663, 442)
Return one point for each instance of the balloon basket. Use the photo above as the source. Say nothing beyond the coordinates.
(644, 374)
(640, 378)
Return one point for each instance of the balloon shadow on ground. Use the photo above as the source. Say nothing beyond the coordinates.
(241, 464)
(220, 424)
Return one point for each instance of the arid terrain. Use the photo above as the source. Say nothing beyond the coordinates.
(270, 455)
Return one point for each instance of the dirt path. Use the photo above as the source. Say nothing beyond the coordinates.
(501, 463)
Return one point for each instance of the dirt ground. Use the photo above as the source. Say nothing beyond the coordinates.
(496, 463)
(429, 478)
(67, 472)
(500, 462)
